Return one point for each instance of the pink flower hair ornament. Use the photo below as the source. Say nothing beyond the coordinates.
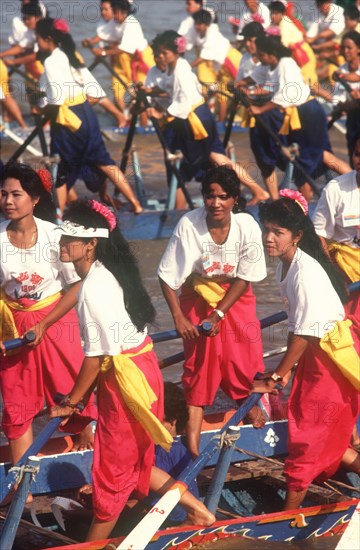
(105, 212)
(273, 31)
(181, 44)
(297, 197)
(61, 25)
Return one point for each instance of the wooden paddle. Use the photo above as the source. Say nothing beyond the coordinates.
(141, 535)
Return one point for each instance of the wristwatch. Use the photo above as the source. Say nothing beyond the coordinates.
(276, 377)
(219, 313)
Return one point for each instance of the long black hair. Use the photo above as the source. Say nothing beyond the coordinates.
(227, 178)
(57, 30)
(117, 257)
(287, 213)
(33, 185)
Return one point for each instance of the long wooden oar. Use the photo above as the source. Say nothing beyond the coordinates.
(141, 535)
(27, 142)
(21, 141)
(264, 323)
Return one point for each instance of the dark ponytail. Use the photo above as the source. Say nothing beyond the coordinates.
(58, 31)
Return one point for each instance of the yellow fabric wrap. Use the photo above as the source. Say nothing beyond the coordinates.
(347, 258)
(210, 290)
(8, 329)
(248, 121)
(137, 394)
(197, 126)
(291, 121)
(66, 117)
(338, 344)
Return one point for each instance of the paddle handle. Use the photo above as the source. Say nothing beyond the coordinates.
(173, 334)
(18, 342)
(343, 82)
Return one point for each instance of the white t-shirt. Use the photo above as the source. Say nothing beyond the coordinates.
(247, 66)
(105, 325)
(262, 16)
(215, 46)
(107, 32)
(285, 81)
(334, 21)
(60, 81)
(313, 304)
(337, 214)
(156, 78)
(130, 36)
(191, 249)
(37, 272)
(186, 90)
(187, 29)
(21, 35)
(339, 92)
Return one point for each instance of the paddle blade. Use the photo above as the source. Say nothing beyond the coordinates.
(141, 535)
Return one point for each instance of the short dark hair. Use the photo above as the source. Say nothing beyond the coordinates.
(277, 7)
(228, 179)
(352, 12)
(202, 16)
(175, 406)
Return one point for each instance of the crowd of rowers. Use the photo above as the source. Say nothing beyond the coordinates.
(274, 61)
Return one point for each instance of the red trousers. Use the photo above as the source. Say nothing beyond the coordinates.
(229, 360)
(323, 408)
(33, 376)
(123, 450)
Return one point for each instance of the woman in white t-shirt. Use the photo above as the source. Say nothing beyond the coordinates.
(290, 113)
(113, 310)
(131, 54)
(38, 293)
(23, 48)
(337, 222)
(324, 401)
(213, 256)
(189, 123)
(67, 88)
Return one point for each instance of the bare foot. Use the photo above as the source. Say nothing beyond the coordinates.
(137, 208)
(260, 197)
(84, 495)
(256, 417)
(84, 440)
(200, 517)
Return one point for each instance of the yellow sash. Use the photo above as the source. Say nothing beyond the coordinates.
(8, 329)
(197, 126)
(338, 344)
(210, 290)
(248, 121)
(291, 121)
(347, 258)
(66, 117)
(138, 394)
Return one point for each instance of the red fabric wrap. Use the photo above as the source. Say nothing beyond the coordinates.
(229, 360)
(123, 451)
(35, 375)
